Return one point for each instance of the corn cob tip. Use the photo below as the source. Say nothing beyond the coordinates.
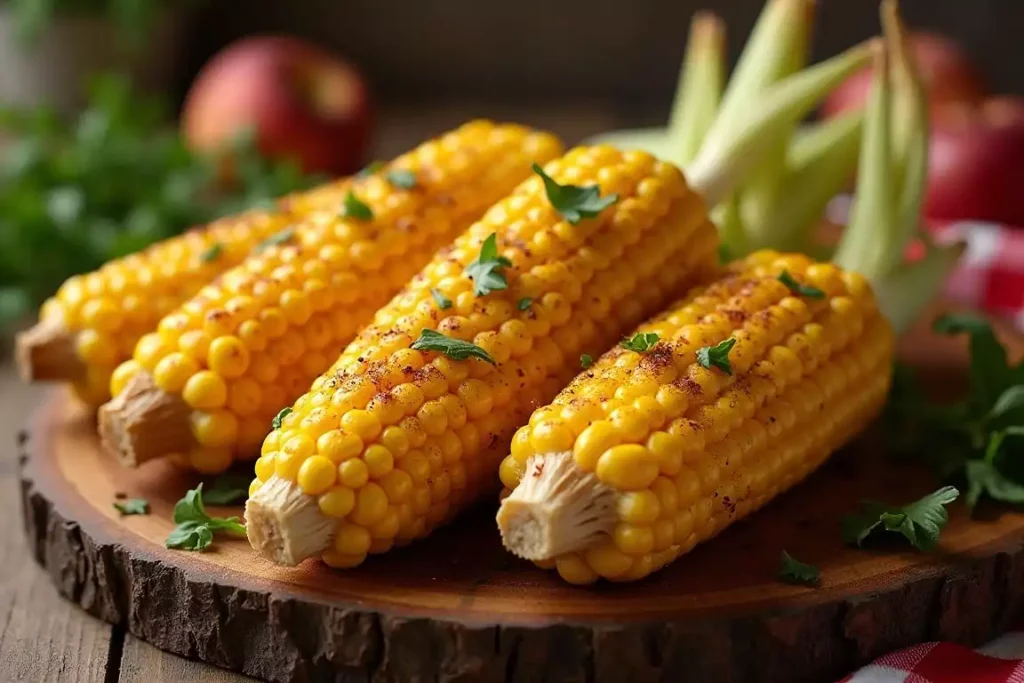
(143, 422)
(285, 525)
(557, 508)
(46, 352)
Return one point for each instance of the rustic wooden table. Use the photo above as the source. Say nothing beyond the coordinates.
(42, 637)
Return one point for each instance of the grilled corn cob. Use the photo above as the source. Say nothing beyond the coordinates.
(94, 321)
(756, 379)
(206, 383)
(396, 438)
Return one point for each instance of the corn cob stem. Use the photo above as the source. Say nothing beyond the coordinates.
(142, 423)
(557, 509)
(285, 524)
(46, 352)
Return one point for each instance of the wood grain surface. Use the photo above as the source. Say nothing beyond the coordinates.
(457, 607)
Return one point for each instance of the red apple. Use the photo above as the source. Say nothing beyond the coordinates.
(946, 70)
(303, 103)
(976, 162)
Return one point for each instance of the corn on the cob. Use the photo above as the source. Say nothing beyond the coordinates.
(395, 439)
(94, 321)
(205, 385)
(645, 455)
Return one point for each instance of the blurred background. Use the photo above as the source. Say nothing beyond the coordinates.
(115, 121)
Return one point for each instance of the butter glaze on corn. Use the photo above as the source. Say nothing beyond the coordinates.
(645, 455)
(391, 442)
(204, 386)
(94, 320)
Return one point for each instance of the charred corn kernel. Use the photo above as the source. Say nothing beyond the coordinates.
(205, 390)
(717, 446)
(459, 416)
(337, 502)
(279, 318)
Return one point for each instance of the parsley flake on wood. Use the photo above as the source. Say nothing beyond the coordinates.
(717, 356)
(276, 422)
(919, 522)
(195, 527)
(456, 349)
(792, 570)
(799, 289)
(443, 302)
(227, 489)
(212, 253)
(574, 203)
(586, 361)
(524, 303)
(278, 238)
(353, 207)
(132, 506)
(402, 179)
(640, 342)
(486, 271)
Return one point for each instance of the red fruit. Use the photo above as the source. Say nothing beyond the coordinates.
(976, 162)
(947, 72)
(303, 102)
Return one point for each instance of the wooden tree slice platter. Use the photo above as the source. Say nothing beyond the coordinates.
(458, 608)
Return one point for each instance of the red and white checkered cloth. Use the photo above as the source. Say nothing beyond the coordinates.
(998, 662)
(990, 275)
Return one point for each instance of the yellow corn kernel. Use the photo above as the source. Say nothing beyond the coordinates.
(629, 467)
(205, 390)
(173, 370)
(353, 473)
(316, 475)
(337, 502)
(339, 446)
(352, 539)
(371, 504)
(122, 375)
(217, 428)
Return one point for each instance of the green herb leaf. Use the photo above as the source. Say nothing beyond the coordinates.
(990, 369)
(524, 303)
(443, 302)
(794, 571)
(132, 506)
(486, 271)
(572, 202)
(278, 238)
(212, 253)
(227, 489)
(1009, 406)
(370, 169)
(456, 349)
(799, 289)
(586, 361)
(919, 522)
(195, 528)
(276, 422)
(717, 356)
(402, 179)
(984, 479)
(724, 256)
(640, 342)
(355, 208)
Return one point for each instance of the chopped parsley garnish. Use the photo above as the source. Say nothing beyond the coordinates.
(276, 422)
(919, 522)
(456, 349)
(717, 356)
(799, 289)
(278, 238)
(443, 302)
(572, 202)
(212, 253)
(227, 489)
(792, 570)
(353, 207)
(195, 527)
(640, 342)
(524, 303)
(586, 361)
(402, 178)
(370, 169)
(486, 271)
(132, 506)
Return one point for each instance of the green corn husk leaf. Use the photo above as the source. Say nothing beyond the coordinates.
(701, 80)
(728, 156)
(821, 160)
(905, 291)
